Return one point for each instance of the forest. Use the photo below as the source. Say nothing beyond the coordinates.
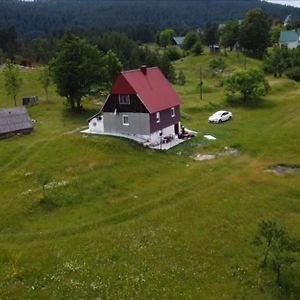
(138, 18)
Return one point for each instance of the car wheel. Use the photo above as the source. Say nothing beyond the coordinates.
(220, 121)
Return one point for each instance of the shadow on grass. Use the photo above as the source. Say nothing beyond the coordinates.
(257, 103)
(83, 114)
(45, 204)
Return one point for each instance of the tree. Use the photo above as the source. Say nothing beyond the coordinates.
(255, 32)
(190, 40)
(211, 36)
(197, 48)
(173, 53)
(113, 66)
(229, 34)
(278, 247)
(76, 68)
(45, 80)
(165, 37)
(275, 63)
(167, 68)
(250, 84)
(275, 33)
(181, 80)
(9, 42)
(12, 80)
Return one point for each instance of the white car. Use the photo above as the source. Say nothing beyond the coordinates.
(220, 116)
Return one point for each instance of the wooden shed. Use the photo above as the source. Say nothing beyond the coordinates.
(14, 120)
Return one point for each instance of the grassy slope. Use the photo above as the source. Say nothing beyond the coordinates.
(134, 223)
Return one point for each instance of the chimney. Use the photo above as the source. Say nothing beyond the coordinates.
(144, 69)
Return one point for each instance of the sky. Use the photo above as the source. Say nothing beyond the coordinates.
(287, 2)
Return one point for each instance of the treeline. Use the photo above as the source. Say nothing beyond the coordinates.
(139, 19)
(42, 49)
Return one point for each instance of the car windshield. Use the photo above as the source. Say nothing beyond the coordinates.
(218, 113)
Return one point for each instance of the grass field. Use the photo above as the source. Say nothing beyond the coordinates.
(125, 222)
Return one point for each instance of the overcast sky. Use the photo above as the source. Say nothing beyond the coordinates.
(287, 2)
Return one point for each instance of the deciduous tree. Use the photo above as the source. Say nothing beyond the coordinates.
(190, 40)
(229, 34)
(12, 80)
(45, 80)
(277, 246)
(255, 32)
(76, 68)
(250, 84)
(275, 63)
(165, 37)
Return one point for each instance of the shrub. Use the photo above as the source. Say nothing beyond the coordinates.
(293, 73)
(249, 84)
(173, 53)
(181, 80)
(197, 49)
(217, 65)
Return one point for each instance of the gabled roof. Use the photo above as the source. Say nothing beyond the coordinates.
(14, 120)
(288, 36)
(178, 40)
(150, 85)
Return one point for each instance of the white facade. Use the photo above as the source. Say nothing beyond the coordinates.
(96, 124)
(291, 45)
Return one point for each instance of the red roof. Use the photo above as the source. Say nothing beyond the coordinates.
(151, 86)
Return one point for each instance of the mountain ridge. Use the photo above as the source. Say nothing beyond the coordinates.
(45, 16)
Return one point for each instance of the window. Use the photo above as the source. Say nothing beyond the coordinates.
(124, 99)
(172, 112)
(157, 117)
(125, 120)
(94, 124)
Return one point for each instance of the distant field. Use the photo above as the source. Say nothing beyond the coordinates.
(124, 222)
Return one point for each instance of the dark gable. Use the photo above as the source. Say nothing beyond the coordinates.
(135, 105)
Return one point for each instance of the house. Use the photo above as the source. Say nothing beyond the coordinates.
(142, 105)
(14, 120)
(178, 41)
(289, 38)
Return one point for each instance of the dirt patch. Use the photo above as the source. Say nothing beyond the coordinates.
(228, 151)
(202, 157)
(205, 156)
(282, 169)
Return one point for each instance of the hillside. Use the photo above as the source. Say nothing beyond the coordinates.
(124, 222)
(42, 17)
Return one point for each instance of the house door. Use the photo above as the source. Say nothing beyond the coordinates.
(176, 128)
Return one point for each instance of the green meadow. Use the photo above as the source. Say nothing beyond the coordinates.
(120, 221)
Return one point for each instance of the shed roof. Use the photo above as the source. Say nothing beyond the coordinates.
(289, 36)
(150, 85)
(178, 40)
(14, 120)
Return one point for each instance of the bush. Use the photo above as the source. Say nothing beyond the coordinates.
(197, 49)
(181, 80)
(217, 65)
(250, 84)
(293, 73)
(173, 53)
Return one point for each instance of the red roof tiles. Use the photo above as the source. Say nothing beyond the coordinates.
(152, 87)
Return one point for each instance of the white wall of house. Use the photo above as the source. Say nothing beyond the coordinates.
(96, 124)
(138, 123)
(291, 45)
